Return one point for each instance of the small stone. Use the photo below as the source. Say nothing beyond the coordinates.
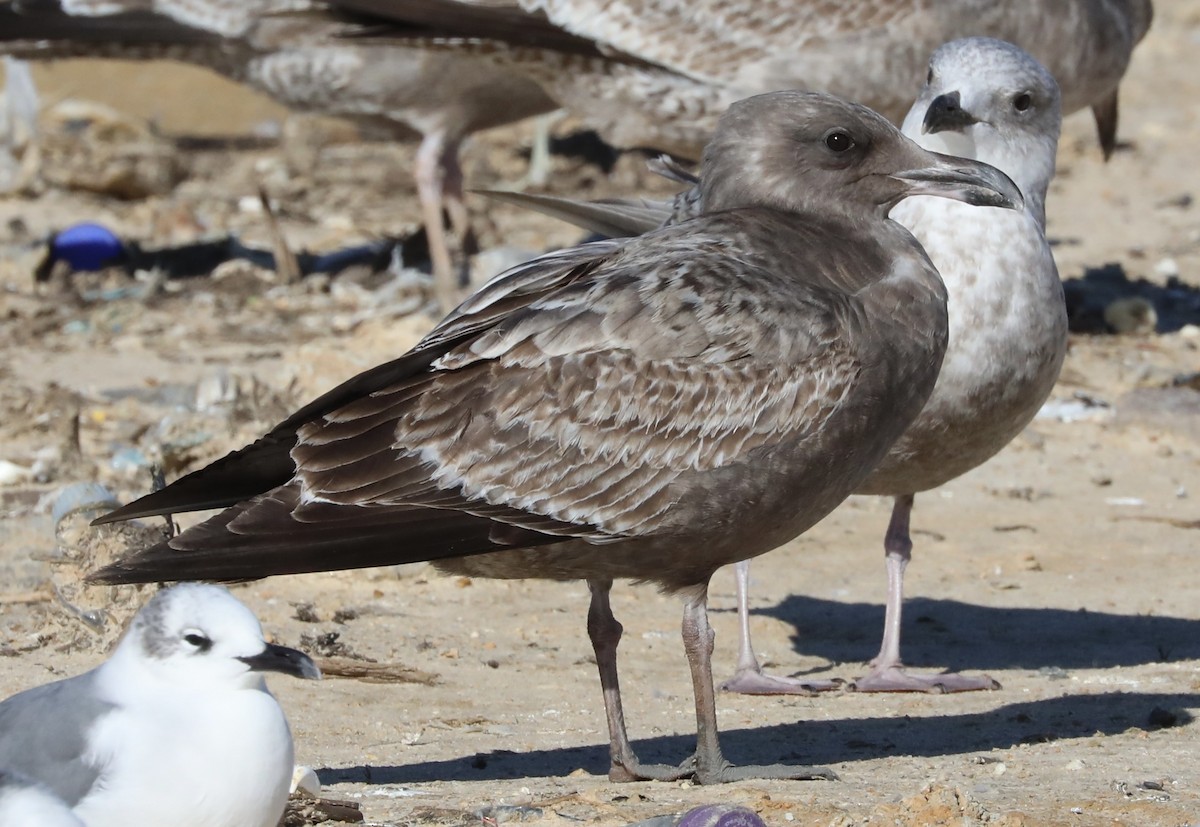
(306, 613)
(11, 473)
(1181, 201)
(1133, 316)
(1167, 267)
(1030, 563)
(1162, 718)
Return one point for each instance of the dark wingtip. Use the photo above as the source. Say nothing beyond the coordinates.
(125, 512)
(114, 575)
(1105, 113)
(156, 505)
(141, 567)
(148, 506)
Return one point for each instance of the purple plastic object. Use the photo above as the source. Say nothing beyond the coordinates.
(87, 247)
(720, 815)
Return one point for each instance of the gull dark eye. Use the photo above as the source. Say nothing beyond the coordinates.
(199, 641)
(1022, 101)
(838, 140)
(929, 77)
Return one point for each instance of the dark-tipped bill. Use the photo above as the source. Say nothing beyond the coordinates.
(973, 182)
(282, 659)
(945, 113)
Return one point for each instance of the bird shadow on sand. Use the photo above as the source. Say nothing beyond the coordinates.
(825, 742)
(948, 634)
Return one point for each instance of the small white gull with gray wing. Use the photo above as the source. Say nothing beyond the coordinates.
(177, 727)
(26, 803)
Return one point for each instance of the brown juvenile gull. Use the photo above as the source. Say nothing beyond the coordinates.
(987, 100)
(650, 409)
(308, 59)
(668, 68)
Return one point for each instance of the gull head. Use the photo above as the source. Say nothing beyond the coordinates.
(818, 154)
(988, 100)
(198, 634)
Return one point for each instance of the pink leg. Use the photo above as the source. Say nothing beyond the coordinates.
(431, 175)
(887, 670)
(453, 194)
(707, 765)
(749, 678)
(710, 765)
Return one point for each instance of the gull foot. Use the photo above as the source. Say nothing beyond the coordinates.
(753, 682)
(634, 770)
(895, 679)
(727, 773)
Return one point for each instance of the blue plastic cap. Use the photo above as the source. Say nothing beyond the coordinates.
(87, 247)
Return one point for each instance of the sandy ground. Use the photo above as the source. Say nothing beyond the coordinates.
(1065, 568)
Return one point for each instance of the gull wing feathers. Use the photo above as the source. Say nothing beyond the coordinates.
(267, 463)
(584, 395)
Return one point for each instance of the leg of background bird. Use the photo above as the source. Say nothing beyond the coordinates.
(749, 678)
(887, 670)
(454, 197)
(897, 545)
(429, 175)
(539, 155)
(605, 633)
(1106, 115)
(710, 765)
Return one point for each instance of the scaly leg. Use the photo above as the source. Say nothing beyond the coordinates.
(887, 670)
(454, 195)
(710, 765)
(749, 679)
(431, 176)
(539, 157)
(605, 633)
